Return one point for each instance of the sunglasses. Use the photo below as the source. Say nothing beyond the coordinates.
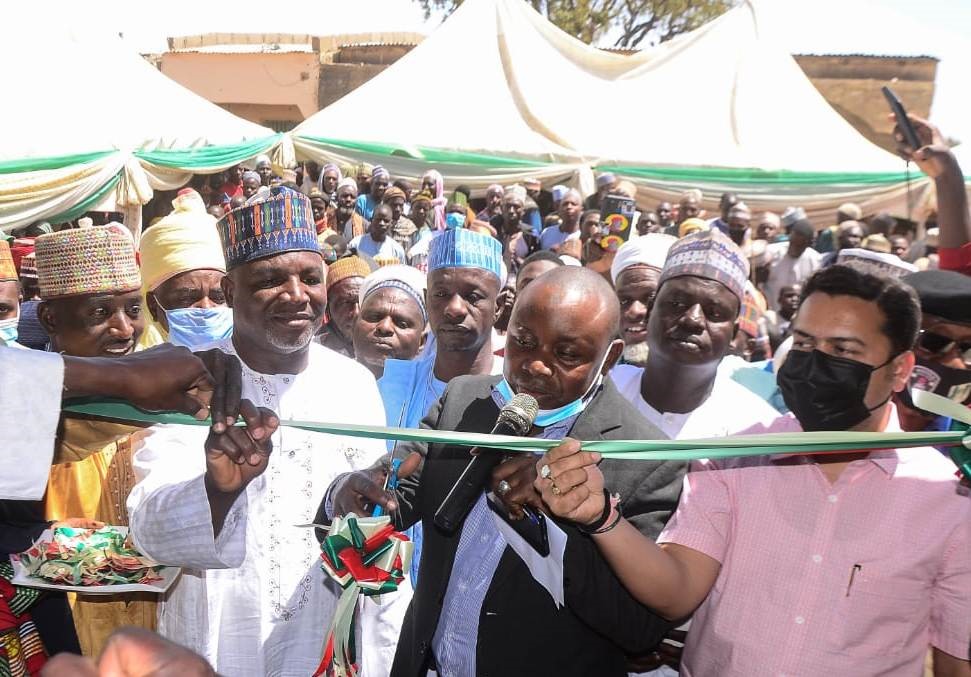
(938, 344)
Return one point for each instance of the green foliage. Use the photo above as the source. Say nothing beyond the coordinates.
(633, 21)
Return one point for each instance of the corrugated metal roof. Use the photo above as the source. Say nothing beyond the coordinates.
(873, 56)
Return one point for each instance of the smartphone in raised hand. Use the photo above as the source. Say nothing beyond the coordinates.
(906, 128)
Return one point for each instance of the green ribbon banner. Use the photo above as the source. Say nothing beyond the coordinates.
(650, 450)
(207, 157)
(759, 177)
(426, 154)
(53, 162)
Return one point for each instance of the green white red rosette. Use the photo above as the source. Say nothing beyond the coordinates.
(366, 556)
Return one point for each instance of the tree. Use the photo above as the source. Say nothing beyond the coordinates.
(633, 21)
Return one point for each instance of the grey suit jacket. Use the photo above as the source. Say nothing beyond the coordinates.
(521, 632)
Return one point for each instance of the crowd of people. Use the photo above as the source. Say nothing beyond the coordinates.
(347, 295)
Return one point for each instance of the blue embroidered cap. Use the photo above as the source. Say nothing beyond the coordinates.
(463, 248)
(281, 222)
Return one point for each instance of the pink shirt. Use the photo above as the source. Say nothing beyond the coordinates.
(897, 524)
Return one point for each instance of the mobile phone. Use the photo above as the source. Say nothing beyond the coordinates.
(532, 527)
(906, 128)
(616, 221)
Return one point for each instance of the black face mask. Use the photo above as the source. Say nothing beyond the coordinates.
(826, 392)
(954, 384)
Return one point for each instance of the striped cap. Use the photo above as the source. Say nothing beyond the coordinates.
(464, 248)
(86, 261)
(278, 223)
(8, 271)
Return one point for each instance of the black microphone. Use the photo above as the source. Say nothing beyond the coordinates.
(516, 418)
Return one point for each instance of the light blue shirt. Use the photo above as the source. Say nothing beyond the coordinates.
(478, 554)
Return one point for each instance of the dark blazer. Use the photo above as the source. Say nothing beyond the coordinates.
(521, 632)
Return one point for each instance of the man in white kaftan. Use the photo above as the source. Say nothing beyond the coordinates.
(227, 507)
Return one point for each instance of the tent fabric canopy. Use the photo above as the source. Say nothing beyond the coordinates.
(748, 118)
(96, 118)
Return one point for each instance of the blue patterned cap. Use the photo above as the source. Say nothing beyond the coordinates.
(281, 222)
(463, 248)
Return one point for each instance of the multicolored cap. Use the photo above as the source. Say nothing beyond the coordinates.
(85, 261)
(464, 248)
(711, 255)
(281, 222)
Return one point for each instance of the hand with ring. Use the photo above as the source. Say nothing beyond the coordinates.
(570, 482)
(512, 483)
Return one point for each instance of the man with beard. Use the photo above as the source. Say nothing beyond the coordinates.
(403, 229)
(493, 206)
(843, 564)
(478, 610)
(252, 598)
(391, 323)
(344, 279)
(343, 219)
(635, 273)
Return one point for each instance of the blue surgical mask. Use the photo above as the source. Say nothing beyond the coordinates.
(547, 417)
(8, 330)
(454, 220)
(195, 327)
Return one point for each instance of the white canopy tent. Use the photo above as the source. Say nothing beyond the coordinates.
(455, 102)
(722, 108)
(92, 122)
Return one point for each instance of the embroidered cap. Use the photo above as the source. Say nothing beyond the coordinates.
(281, 221)
(463, 248)
(349, 266)
(86, 261)
(709, 254)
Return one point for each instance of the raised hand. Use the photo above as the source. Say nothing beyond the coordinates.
(934, 157)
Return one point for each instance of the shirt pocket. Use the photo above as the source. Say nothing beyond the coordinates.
(880, 616)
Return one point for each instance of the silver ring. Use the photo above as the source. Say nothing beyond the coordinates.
(503, 488)
(545, 472)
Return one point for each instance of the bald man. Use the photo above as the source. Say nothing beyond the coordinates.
(477, 609)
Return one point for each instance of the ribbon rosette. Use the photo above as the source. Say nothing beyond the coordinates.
(366, 556)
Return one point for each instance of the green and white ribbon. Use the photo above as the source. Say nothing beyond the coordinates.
(648, 450)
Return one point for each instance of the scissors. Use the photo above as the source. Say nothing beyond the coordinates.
(391, 479)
